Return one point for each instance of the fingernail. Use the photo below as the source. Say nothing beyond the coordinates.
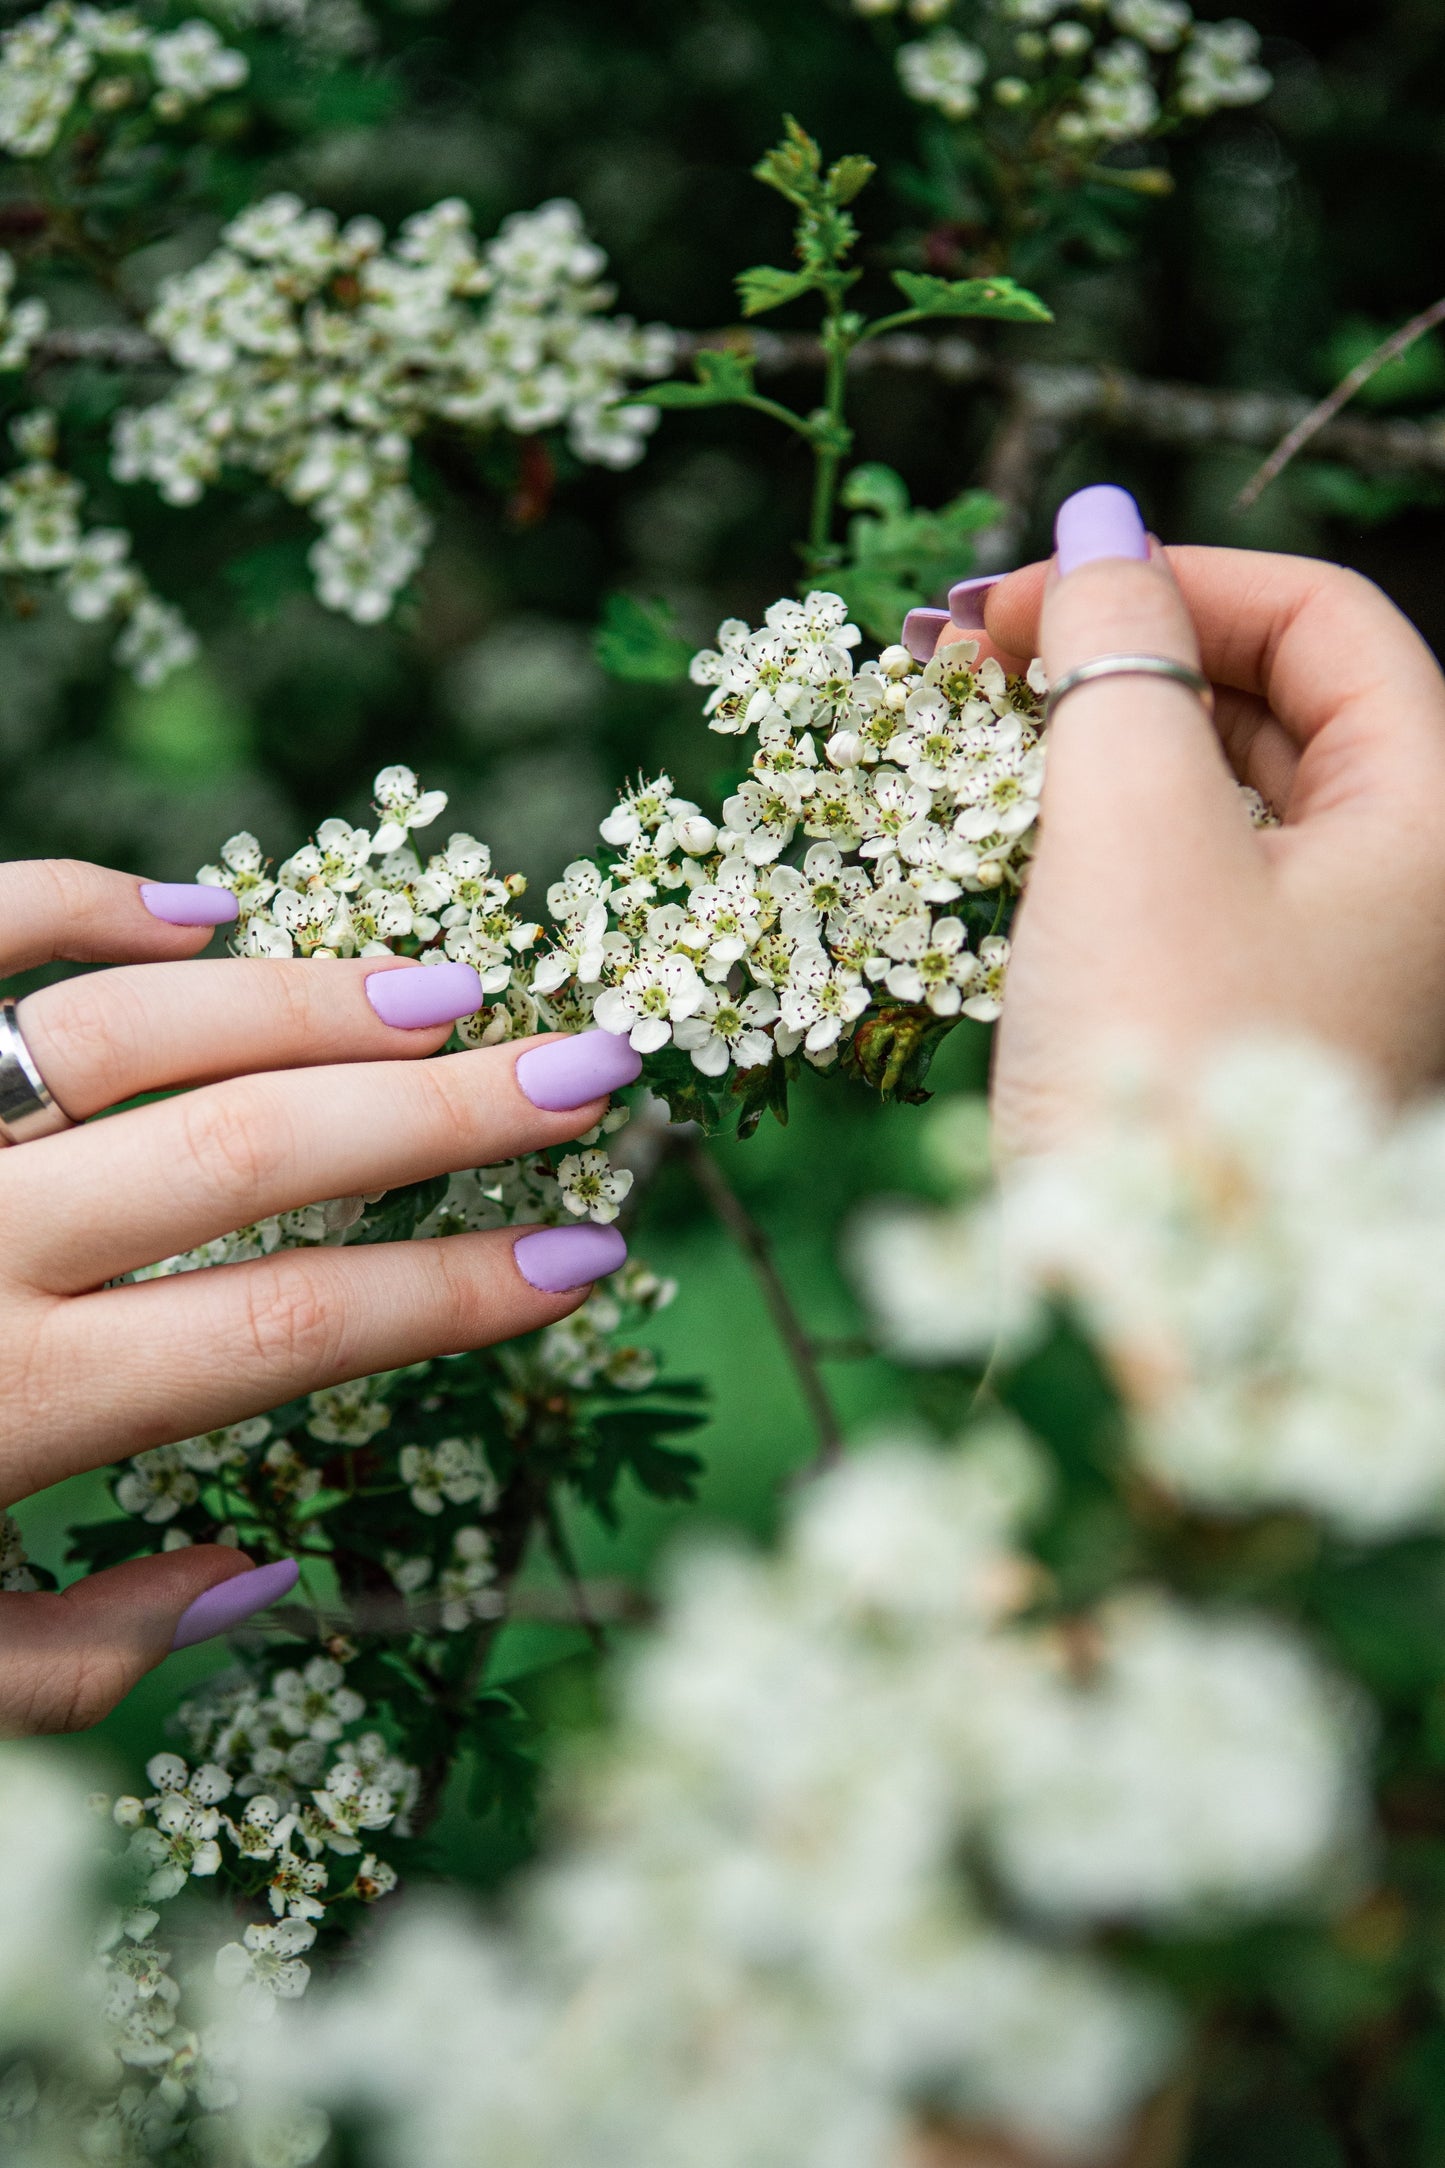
(189, 903)
(965, 600)
(429, 994)
(218, 1609)
(566, 1073)
(1098, 522)
(554, 1260)
(920, 632)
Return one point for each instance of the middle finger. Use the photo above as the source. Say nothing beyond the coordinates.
(85, 1206)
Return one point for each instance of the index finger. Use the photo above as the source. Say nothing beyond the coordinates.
(61, 908)
(1321, 645)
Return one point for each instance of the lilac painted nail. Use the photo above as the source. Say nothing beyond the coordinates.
(428, 994)
(554, 1260)
(189, 903)
(1098, 522)
(965, 600)
(920, 632)
(566, 1073)
(220, 1608)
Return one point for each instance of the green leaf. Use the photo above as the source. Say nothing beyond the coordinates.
(396, 1217)
(1000, 297)
(640, 643)
(847, 176)
(794, 167)
(898, 557)
(723, 378)
(765, 287)
(875, 488)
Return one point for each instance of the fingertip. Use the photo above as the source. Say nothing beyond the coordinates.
(1013, 608)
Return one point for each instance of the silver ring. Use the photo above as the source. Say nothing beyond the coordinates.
(27, 1108)
(1107, 666)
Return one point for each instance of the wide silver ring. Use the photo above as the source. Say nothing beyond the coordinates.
(1107, 666)
(27, 1108)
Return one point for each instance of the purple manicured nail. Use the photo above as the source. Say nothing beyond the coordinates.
(554, 1260)
(566, 1073)
(965, 600)
(920, 632)
(429, 994)
(1098, 522)
(218, 1609)
(189, 903)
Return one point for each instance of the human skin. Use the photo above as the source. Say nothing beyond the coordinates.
(1156, 917)
(298, 1089)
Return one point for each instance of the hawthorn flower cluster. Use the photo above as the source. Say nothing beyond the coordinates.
(1264, 1265)
(1130, 66)
(314, 354)
(282, 1797)
(762, 1943)
(898, 790)
(112, 60)
(43, 535)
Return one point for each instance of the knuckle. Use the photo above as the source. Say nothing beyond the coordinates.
(231, 1144)
(291, 1331)
(86, 1035)
(448, 1110)
(458, 1296)
(67, 883)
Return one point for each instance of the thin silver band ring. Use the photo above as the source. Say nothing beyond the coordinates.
(27, 1108)
(1107, 666)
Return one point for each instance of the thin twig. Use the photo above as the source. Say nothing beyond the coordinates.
(566, 1562)
(1310, 426)
(797, 1341)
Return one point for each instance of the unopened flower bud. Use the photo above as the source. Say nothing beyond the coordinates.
(1011, 90)
(128, 1812)
(844, 749)
(696, 834)
(989, 874)
(895, 662)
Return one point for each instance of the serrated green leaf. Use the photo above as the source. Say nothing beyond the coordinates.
(875, 488)
(793, 167)
(765, 287)
(640, 643)
(998, 297)
(847, 176)
(723, 377)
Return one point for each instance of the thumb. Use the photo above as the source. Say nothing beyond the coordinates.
(1136, 773)
(67, 1658)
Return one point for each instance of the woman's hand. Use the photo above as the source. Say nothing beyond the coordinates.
(323, 1099)
(1155, 913)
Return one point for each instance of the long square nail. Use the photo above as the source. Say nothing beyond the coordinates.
(189, 903)
(555, 1260)
(1103, 521)
(966, 599)
(425, 995)
(216, 1610)
(566, 1073)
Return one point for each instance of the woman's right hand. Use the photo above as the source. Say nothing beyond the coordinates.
(302, 1090)
(1155, 914)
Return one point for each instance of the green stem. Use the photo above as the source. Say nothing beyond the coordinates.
(779, 413)
(838, 344)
